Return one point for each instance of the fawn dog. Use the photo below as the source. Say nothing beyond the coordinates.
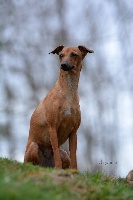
(57, 117)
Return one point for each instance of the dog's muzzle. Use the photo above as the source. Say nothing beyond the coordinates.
(66, 67)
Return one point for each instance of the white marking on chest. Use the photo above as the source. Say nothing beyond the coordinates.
(67, 112)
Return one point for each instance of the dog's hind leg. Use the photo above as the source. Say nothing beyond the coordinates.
(32, 154)
(65, 159)
(38, 155)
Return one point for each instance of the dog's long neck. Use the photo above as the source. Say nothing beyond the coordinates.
(68, 82)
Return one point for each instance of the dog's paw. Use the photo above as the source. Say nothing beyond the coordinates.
(58, 164)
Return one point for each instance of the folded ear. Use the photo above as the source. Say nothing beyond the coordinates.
(57, 50)
(84, 50)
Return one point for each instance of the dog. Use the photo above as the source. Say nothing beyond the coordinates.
(57, 118)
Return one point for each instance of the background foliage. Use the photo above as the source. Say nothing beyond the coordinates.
(29, 30)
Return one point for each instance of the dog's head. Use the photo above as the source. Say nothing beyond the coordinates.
(71, 57)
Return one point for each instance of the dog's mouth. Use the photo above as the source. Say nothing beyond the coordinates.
(66, 67)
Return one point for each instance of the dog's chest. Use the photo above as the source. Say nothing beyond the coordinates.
(70, 121)
(67, 112)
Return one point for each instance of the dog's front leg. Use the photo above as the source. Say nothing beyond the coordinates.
(55, 147)
(72, 149)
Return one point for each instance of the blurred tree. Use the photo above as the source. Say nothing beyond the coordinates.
(28, 31)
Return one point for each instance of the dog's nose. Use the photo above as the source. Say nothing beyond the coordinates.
(65, 66)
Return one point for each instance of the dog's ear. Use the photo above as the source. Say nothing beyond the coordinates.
(57, 50)
(84, 50)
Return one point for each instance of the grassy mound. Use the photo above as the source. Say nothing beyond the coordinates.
(24, 182)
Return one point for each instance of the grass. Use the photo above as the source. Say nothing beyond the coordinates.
(24, 182)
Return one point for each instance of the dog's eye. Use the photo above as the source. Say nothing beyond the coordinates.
(74, 55)
(61, 56)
